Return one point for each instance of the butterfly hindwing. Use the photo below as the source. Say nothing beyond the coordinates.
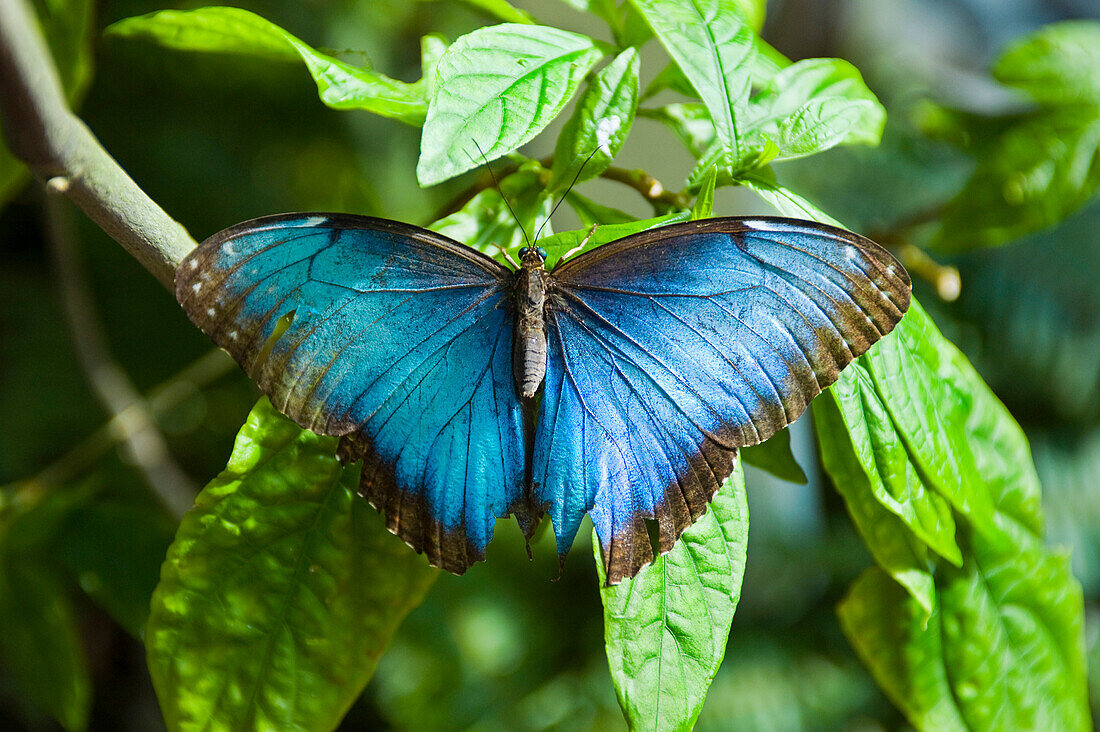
(672, 348)
(399, 341)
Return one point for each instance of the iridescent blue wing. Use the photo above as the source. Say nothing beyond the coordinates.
(399, 341)
(671, 348)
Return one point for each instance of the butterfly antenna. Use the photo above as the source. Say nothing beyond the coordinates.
(503, 197)
(562, 199)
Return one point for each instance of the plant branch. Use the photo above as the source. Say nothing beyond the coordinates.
(160, 399)
(649, 187)
(62, 152)
(144, 443)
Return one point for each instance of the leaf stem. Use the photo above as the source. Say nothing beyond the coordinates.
(63, 154)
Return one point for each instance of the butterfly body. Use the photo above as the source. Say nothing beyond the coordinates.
(529, 349)
(618, 384)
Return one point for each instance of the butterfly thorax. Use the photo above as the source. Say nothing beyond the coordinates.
(529, 341)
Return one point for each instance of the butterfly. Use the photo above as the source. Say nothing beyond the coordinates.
(620, 383)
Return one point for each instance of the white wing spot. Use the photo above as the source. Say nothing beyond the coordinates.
(851, 253)
(232, 335)
(210, 312)
(194, 264)
(196, 287)
(891, 270)
(315, 221)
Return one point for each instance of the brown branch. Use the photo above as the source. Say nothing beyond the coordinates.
(649, 187)
(62, 152)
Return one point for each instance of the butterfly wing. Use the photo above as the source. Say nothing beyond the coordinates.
(671, 348)
(399, 341)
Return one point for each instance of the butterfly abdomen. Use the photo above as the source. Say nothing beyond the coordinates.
(529, 341)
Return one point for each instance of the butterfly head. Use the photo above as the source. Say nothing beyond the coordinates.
(532, 256)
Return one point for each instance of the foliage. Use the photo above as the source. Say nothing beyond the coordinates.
(1040, 165)
(281, 590)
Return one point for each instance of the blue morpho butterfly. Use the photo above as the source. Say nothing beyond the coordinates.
(618, 384)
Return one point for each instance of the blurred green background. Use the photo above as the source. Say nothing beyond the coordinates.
(219, 139)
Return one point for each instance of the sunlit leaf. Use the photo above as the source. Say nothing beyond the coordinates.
(1004, 649)
(895, 514)
(590, 212)
(489, 224)
(711, 42)
(500, 10)
(568, 241)
(280, 592)
(785, 201)
(666, 628)
(496, 89)
(704, 201)
(812, 106)
(690, 122)
(1008, 634)
(233, 30)
(902, 646)
(600, 123)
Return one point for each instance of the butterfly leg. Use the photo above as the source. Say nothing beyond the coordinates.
(507, 256)
(574, 250)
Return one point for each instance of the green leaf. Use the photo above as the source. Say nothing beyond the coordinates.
(600, 123)
(897, 516)
(565, 242)
(500, 10)
(1036, 173)
(690, 122)
(670, 77)
(955, 431)
(901, 644)
(774, 455)
(489, 225)
(211, 29)
(1057, 64)
(40, 645)
(812, 106)
(1033, 169)
(497, 88)
(1004, 649)
(754, 12)
(114, 551)
(232, 30)
(432, 48)
(785, 201)
(280, 592)
(666, 628)
(590, 212)
(711, 42)
(704, 202)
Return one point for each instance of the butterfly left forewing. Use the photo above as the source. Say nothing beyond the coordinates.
(671, 348)
(397, 340)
